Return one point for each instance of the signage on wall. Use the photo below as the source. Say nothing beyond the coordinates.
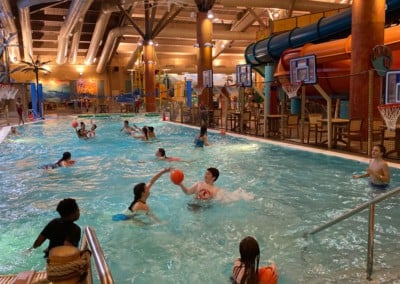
(207, 79)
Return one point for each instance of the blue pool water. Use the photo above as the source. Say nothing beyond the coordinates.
(273, 193)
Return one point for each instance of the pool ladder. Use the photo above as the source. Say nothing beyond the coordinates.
(371, 224)
(90, 241)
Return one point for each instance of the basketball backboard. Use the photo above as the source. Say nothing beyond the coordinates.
(303, 70)
(392, 87)
(243, 75)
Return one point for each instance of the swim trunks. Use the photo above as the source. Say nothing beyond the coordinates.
(379, 185)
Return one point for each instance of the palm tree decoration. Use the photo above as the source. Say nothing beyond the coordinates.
(35, 66)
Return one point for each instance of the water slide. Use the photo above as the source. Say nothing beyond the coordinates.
(270, 50)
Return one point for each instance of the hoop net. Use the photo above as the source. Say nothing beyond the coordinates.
(7, 92)
(291, 89)
(390, 113)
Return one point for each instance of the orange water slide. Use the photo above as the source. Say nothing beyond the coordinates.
(333, 61)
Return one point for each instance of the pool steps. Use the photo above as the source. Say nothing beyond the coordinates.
(89, 241)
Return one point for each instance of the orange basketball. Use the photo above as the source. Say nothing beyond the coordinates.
(74, 124)
(177, 176)
(268, 275)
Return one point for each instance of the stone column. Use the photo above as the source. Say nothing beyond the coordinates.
(204, 55)
(368, 21)
(149, 61)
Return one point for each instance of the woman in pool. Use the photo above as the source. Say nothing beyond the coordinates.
(160, 154)
(201, 139)
(141, 192)
(245, 269)
(65, 161)
(378, 170)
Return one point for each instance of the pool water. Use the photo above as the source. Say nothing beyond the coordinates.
(273, 193)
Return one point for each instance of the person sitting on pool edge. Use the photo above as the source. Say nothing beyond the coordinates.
(204, 190)
(161, 155)
(245, 269)
(65, 161)
(378, 169)
(61, 231)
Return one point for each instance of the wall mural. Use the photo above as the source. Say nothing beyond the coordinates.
(86, 88)
(56, 91)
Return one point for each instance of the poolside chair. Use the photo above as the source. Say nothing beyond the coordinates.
(353, 132)
(217, 117)
(377, 130)
(315, 126)
(292, 123)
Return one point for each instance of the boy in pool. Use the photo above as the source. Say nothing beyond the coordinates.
(204, 190)
(378, 170)
(61, 231)
(127, 128)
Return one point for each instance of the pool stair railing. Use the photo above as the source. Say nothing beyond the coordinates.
(89, 241)
(371, 224)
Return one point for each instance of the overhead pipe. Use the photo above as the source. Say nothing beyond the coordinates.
(75, 42)
(100, 27)
(170, 32)
(76, 12)
(25, 23)
(299, 5)
(7, 20)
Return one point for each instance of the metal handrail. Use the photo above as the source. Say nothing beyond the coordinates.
(103, 271)
(371, 205)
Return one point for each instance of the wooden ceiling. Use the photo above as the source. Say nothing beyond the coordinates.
(105, 35)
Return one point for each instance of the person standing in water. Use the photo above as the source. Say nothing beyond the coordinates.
(378, 169)
(20, 110)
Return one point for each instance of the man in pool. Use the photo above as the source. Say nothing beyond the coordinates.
(61, 231)
(378, 170)
(204, 190)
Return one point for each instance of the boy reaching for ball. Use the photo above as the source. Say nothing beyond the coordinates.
(204, 190)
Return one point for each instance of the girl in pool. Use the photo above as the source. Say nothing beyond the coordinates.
(141, 192)
(143, 135)
(201, 139)
(160, 154)
(245, 269)
(65, 161)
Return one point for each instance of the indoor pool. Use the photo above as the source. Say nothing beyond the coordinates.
(273, 193)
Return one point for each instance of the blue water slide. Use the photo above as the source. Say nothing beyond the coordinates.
(270, 49)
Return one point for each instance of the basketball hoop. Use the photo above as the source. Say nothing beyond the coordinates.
(390, 113)
(291, 89)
